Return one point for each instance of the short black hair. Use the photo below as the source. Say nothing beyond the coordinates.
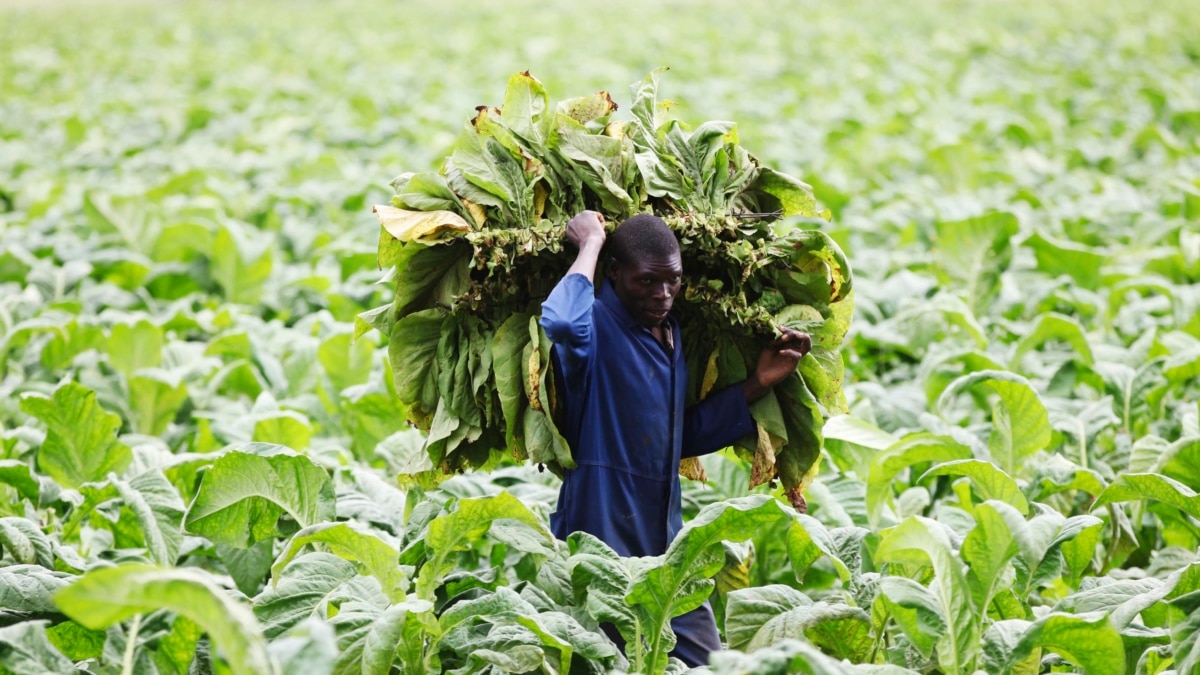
(641, 237)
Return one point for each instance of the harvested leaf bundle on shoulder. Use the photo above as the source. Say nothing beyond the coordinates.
(476, 247)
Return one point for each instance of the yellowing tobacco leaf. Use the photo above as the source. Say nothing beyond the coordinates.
(690, 467)
(426, 227)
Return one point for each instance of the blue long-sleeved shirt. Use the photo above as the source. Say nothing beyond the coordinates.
(625, 420)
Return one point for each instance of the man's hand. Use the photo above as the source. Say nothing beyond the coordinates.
(586, 229)
(776, 362)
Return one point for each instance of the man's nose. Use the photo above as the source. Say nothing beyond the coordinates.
(662, 290)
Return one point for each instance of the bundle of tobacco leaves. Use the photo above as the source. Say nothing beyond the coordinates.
(475, 248)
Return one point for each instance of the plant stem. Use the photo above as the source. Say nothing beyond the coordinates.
(131, 645)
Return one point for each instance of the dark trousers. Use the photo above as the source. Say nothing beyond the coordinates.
(695, 632)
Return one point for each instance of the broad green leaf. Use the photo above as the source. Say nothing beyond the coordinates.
(103, 597)
(990, 481)
(25, 650)
(508, 648)
(916, 610)
(413, 344)
(244, 493)
(301, 590)
(347, 362)
(352, 542)
(1056, 258)
(371, 638)
(308, 647)
(793, 656)
(1020, 423)
(496, 607)
(1125, 597)
(1151, 487)
(1089, 641)
(426, 191)
(1054, 327)
(457, 531)
(910, 451)
(749, 611)
(177, 650)
(21, 478)
(790, 195)
(132, 347)
(1183, 367)
(1180, 461)
(78, 643)
(249, 567)
(987, 550)
(156, 398)
(808, 541)
(974, 252)
(240, 265)
(427, 278)
(159, 513)
(1185, 637)
(562, 632)
(1079, 551)
(762, 616)
(379, 318)
(680, 582)
(855, 443)
(284, 427)
(29, 588)
(81, 444)
(545, 444)
(605, 576)
(508, 347)
(999, 641)
(925, 542)
(23, 541)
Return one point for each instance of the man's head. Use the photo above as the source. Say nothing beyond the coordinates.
(645, 267)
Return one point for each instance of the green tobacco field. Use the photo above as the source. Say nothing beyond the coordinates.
(205, 466)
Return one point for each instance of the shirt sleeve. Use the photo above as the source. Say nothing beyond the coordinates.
(716, 422)
(567, 320)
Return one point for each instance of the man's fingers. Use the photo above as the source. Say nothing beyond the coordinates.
(791, 336)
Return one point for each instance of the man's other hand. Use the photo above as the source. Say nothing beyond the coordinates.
(586, 228)
(776, 362)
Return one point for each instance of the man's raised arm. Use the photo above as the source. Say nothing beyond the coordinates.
(567, 313)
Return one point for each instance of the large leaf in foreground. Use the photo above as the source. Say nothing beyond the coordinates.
(352, 542)
(1087, 640)
(457, 531)
(762, 616)
(925, 542)
(301, 591)
(680, 580)
(245, 492)
(104, 597)
(370, 637)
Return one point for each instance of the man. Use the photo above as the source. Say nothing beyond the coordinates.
(620, 363)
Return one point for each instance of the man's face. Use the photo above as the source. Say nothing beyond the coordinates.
(647, 288)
